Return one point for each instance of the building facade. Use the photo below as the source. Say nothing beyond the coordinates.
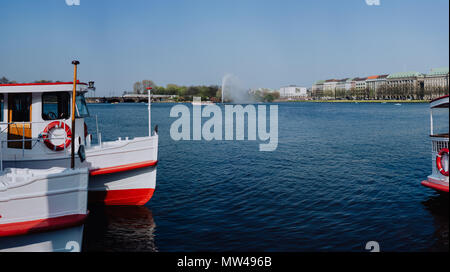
(359, 89)
(350, 84)
(340, 86)
(293, 91)
(436, 83)
(317, 89)
(341, 90)
(375, 85)
(329, 88)
(360, 83)
(404, 85)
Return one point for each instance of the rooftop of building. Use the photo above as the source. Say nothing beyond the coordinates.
(292, 86)
(377, 77)
(405, 74)
(360, 78)
(439, 71)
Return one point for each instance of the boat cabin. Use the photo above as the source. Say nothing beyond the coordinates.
(38, 116)
(439, 179)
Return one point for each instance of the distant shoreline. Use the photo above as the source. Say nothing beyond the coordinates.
(290, 101)
(356, 101)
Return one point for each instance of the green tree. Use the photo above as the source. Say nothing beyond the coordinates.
(137, 87)
(43, 81)
(147, 84)
(4, 80)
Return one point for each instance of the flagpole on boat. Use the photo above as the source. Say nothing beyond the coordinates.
(149, 112)
(72, 151)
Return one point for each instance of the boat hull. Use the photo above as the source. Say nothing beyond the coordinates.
(62, 240)
(42, 210)
(122, 172)
(437, 180)
(132, 187)
(438, 185)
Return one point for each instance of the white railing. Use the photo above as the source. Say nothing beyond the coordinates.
(4, 136)
(438, 144)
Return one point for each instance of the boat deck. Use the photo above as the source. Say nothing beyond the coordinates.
(443, 135)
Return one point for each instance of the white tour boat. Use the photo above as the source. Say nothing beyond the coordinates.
(42, 210)
(36, 133)
(438, 180)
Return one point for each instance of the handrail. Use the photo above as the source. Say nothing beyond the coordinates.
(26, 140)
(32, 122)
(23, 146)
(442, 135)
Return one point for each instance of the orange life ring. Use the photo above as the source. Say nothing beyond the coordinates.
(439, 161)
(54, 125)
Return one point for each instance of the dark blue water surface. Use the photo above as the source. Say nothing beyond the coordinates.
(343, 174)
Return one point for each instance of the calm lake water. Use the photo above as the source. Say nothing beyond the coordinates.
(343, 174)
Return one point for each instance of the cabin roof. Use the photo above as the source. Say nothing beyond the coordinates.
(42, 87)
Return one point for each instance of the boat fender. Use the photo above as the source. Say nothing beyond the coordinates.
(85, 130)
(82, 153)
(56, 125)
(439, 161)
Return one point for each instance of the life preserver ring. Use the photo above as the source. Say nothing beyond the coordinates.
(439, 161)
(55, 125)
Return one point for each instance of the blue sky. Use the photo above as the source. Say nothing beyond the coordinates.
(264, 43)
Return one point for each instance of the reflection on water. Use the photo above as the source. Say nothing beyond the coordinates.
(437, 205)
(343, 174)
(119, 228)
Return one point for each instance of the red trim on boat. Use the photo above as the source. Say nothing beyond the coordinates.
(37, 84)
(436, 99)
(136, 197)
(435, 186)
(121, 168)
(41, 225)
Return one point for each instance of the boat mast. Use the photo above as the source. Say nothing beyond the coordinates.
(149, 112)
(431, 121)
(72, 152)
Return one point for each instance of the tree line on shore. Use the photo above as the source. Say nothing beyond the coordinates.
(207, 93)
(4, 80)
(183, 93)
(214, 92)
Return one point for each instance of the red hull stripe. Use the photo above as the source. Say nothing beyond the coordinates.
(121, 168)
(436, 99)
(136, 197)
(42, 225)
(435, 186)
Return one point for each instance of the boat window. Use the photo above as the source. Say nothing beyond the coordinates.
(55, 106)
(82, 109)
(440, 122)
(19, 114)
(19, 107)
